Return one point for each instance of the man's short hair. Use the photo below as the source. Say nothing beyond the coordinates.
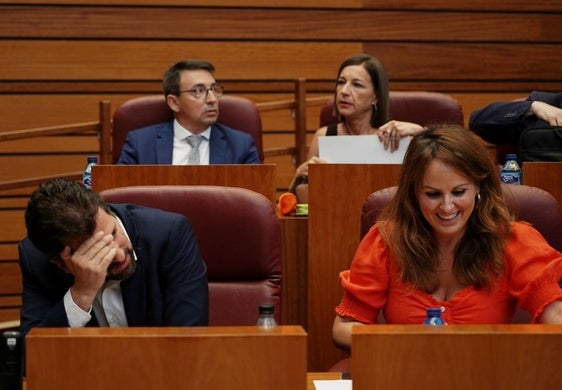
(171, 79)
(59, 211)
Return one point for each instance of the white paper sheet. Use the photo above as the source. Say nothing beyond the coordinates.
(338, 384)
(359, 149)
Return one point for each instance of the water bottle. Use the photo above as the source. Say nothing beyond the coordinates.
(433, 317)
(266, 319)
(87, 173)
(511, 171)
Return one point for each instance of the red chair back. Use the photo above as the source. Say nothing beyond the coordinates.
(421, 107)
(234, 111)
(530, 204)
(239, 237)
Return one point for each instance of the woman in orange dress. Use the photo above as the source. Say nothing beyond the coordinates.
(447, 240)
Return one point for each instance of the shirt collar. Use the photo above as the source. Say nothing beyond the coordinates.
(181, 133)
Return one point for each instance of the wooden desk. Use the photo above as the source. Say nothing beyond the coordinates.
(545, 175)
(166, 358)
(494, 357)
(310, 378)
(256, 177)
(336, 195)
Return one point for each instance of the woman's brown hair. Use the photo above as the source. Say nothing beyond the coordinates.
(479, 254)
(379, 79)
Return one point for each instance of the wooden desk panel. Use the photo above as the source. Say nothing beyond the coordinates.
(166, 358)
(294, 231)
(256, 177)
(498, 357)
(545, 175)
(336, 195)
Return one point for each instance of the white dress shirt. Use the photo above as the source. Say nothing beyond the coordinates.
(181, 147)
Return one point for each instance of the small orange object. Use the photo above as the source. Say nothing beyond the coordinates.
(287, 203)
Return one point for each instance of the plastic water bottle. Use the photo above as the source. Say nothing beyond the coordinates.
(433, 317)
(511, 171)
(266, 320)
(87, 173)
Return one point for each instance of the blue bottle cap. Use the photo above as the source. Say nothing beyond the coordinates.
(434, 311)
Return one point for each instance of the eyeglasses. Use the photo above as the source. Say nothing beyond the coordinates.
(199, 91)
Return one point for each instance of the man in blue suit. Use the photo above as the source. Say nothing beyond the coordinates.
(503, 122)
(88, 263)
(193, 137)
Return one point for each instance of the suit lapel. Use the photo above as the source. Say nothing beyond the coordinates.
(165, 143)
(133, 289)
(134, 296)
(218, 146)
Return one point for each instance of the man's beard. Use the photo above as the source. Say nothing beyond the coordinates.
(127, 272)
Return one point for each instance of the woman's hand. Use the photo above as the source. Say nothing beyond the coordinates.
(391, 132)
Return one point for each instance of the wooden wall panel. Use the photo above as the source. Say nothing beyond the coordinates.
(213, 3)
(10, 313)
(153, 23)
(477, 62)
(68, 60)
(465, 5)
(112, 60)
(12, 228)
(8, 252)
(10, 278)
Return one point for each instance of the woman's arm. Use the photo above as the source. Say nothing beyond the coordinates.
(301, 173)
(552, 313)
(341, 332)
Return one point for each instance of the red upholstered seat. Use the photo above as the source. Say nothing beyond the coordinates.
(527, 203)
(239, 238)
(421, 107)
(234, 111)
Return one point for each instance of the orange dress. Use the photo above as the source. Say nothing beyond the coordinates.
(530, 281)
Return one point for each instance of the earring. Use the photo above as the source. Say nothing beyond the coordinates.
(478, 197)
(374, 108)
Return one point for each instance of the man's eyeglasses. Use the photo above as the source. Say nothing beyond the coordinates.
(199, 91)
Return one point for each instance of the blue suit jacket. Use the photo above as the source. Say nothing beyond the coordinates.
(169, 286)
(502, 122)
(154, 145)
